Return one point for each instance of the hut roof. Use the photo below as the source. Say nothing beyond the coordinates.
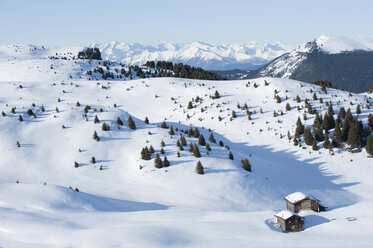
(284, 214)
(297, 197)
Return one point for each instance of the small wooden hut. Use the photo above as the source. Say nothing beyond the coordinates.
(298, 201)
(289, 222)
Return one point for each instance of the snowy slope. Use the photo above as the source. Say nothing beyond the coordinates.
(250, 55)
(125, 206)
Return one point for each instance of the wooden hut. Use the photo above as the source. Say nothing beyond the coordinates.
(298, 201)
(289, 222)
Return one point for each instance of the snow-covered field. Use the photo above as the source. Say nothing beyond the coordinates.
(125, 206)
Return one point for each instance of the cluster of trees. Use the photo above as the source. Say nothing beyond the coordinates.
(168, 69)
(347, 129)
(90, 53)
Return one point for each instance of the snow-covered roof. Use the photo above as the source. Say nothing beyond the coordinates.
(297, 197)
(284, 214)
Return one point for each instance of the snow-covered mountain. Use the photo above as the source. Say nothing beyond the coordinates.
(199, 54)
(53, 194)
(346, 62)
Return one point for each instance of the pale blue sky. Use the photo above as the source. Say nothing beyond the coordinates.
(82, 22)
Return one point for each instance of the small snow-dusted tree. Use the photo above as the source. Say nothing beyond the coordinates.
(246, 164)
(164, 125)
(96, 120)
(119, 121)
(105, 127)
(212, 138)
(196, 152)
(166, 163)
(158, 162)
(199, 168)
(201, 140)
(230, 155)
(95, 136)
(171, 132)
(131, 123)
(208, 148)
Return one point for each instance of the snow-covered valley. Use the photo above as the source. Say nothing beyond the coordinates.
(121, 200)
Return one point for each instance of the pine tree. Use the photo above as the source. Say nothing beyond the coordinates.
(216, 95)
(191, 147)
(164, 125)
(20, 118)
(76, 164)
(96, 120)
(246, 164)
(93, 160)
(171, 132)
(370, 121)
(190, 105)
(151, 149)
(221, 143)
(299, 128)
(234, 114)
(287, 107)
(95, 136)
(326, 143)
(369, 147)
(341, 113)
(201, 140)
(196, 152)
(119, 122)
(162, 150)
(131, 123)
(146, 120)
(208, 148)
(158, 162)
(163, 144)
(295, 142)
(337, 135)
(230, 155)
(358, 109)
(354, 136)
(166, 163)
(314, 97)
(314, 145)
(199, 168)
(105, 127)
(196, 133)
(183, 140)
(297, 99)
(212, 138)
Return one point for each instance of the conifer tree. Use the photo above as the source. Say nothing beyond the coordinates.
(95, 136)
(20, 118)
(183, 140)
(246, 164)
(151, 149)
(234, 115)
(158, 162)
(162, 150)
(295, 142)
(230, 155)
(105, 127)
(212, 138)
(131, 123)
(221, 143)
(370, 121)
(196, 152)
(196, 133)
(297, 99)
(369, 147)
(146, 120)
(166, 163)
(337, 135)
(358, 109)
(191, 147)
(354, 137)
(216, 95)
(341, 113)
(93, 160)
(326, 143)
(199, 168)
(190, 105)
(208, 148)
(287, 107)
(119, 122)
(201, 140)
(299, 128)
(163, 144)
(314, 145)
(164, 125)
(314, 97)
(171, 132)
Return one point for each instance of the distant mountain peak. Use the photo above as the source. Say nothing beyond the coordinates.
(250, 55)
